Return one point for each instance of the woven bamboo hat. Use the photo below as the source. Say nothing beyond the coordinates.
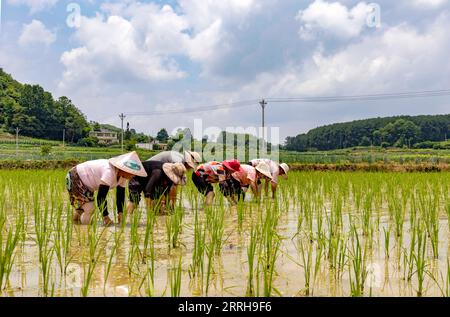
(129, 163)
(176, 172)
(264, 169)
(192, 158)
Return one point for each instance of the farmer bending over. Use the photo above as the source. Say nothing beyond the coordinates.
(156, 186)
(275, 170)
(101, 175)
(212, 173)
(247, 177)
(189, 159)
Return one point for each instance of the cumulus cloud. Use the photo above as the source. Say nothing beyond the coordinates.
(142, 41)
(34, 5)
(399, 59)
(428, 4)
(36, 33)
(333, 18)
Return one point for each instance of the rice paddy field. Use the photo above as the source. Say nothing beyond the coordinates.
(327, 234)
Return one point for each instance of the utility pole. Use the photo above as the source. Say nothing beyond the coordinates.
(263, 104)
(17, 141)
(122, 117)
(64, 137)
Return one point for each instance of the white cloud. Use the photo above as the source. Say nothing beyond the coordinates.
(142, 41)
(34, 5)
(399, 59)
(36, 33)
(333, 18)
(428, 4)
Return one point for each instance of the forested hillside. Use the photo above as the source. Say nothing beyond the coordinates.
(417, 131)
(37, 114)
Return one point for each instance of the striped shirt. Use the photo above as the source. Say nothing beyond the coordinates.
(213, 172)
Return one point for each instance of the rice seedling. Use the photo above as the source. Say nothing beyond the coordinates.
(173, 228)
(270, 246)
(8, 246)
(419, 260)
(306, 252)
(251, 253)
(339, 222)
(358, 265)
(175, 278)
(94, 238)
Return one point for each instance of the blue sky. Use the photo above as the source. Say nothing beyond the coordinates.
(134, 56)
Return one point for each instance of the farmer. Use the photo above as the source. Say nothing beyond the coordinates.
(189, 159)
(275, 170)
(101, 175)
(213, 172)
(248, 177)
(161, 177)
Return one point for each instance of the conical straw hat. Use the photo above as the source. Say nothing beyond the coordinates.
(264, 169)
(284, 167)
(192, 159)
(129, 163)
(176, 172)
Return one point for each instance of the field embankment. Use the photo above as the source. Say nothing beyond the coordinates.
(340, 167)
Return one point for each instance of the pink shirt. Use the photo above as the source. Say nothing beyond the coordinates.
(99, 172)
(274, 168)
(246, 176)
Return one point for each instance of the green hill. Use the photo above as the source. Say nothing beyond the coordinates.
(401, 131)
(37, 114)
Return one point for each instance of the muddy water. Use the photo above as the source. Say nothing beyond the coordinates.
(230, 269)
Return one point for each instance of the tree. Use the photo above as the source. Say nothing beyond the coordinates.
(365, 141)
(162, 136)
(96, 127)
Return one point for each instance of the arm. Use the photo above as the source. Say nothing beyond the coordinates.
(120, 199)
(101, 199)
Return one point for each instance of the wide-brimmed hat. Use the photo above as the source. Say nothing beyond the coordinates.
(129, 163)
(192, 159)
(264, 169)
(284, 167)
(232, 165)
(176, 172)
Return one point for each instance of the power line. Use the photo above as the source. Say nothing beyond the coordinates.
(320, 99)
(197, 109)
(386, 96)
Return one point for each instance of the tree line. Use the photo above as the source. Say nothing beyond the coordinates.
(402, 131)
(37, 114)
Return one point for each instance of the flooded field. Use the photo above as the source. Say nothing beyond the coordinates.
(326, 234)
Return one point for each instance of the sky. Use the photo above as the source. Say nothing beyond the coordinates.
(112, 57)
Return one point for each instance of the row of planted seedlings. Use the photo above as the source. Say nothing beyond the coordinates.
(34, 229)
(348, 222)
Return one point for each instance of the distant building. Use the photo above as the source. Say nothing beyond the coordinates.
(153, 145)
(105, 136)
